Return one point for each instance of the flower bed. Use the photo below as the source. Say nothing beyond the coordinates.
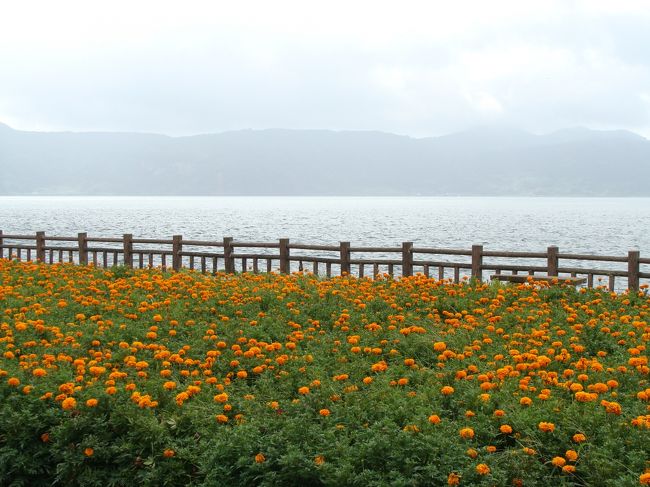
(121, 376)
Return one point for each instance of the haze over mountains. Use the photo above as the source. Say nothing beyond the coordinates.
(481, 161)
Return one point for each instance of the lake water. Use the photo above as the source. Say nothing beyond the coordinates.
(609, 226)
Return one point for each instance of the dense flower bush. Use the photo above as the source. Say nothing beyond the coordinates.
(115, 377)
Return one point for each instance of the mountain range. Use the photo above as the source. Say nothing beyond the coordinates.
(483, 161)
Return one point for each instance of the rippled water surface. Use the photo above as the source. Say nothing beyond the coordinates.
(596, 225)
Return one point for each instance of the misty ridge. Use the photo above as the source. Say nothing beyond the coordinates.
(484, 161)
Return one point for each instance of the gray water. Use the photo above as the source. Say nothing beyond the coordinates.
(609, 226)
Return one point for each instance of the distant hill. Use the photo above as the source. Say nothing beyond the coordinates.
(481, 161)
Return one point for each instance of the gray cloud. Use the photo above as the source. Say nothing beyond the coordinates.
(424, 69)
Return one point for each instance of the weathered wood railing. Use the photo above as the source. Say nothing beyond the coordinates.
(285, 256)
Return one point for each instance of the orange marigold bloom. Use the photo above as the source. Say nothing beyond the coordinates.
(558, 461)
(571, 455)
(467, 433)
(223, 397)
(221, 418)
(453, 479)
(303, 390)
(260, 458)
(324, 412)
(447, 390)
(91, 403)
(439, 346)
(168, 453)
(506, 429)
(434, 419)
(546, 427)
(89, 452)
(13, 381)
(319, 459)
(482, 469)
(568, 469)
(39, 372)
(69, 403)
(644, 478)
(579, 438)
(525, 401)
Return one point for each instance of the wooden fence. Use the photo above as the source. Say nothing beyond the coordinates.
(285, 256)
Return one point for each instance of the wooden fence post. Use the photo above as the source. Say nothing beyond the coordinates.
(40, 246)
(82, 243)
(285, 264)
(177, 248)
(345, 257)
(229, 261)
(2, 250)
(477, 262)
(552, 260)
(127, 243)
(407, 259)
(633, 270)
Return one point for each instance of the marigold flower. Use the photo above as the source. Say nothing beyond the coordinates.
(223, 397)
(644, 478)
(13, 381)
(571, 455)
(221, 418)
(324, 412)
(39, 372)
(482, 469)
(303, 390)
(434, 419)
(91, 403)
(69, 403)
(506, 429)
(439, 346)
(546, 427)
(168, 453)
(558, 461)
(319, 459)
(467, 433)
(453, 479)
(89, 452)
(447, 390)
(260, 458)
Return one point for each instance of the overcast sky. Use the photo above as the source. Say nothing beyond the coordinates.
(411, 67)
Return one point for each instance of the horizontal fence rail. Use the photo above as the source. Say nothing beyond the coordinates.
(284, 256)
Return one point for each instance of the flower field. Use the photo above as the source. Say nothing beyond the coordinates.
(115, 377)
